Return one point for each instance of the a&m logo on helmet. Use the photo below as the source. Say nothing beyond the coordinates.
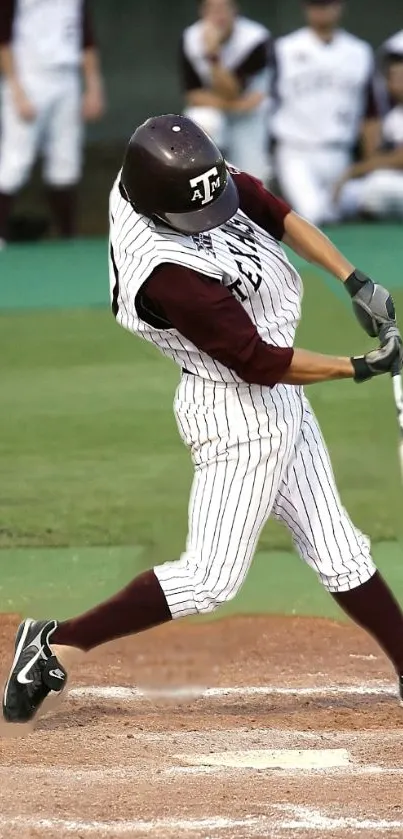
(204, 186)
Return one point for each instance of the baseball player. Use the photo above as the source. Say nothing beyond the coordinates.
(374, 187)
(225, 73)
(43, 46)
(324, 92)
(394, 45)
(391, 51)
(197, 268)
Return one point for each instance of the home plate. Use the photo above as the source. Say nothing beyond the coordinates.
(272, 759)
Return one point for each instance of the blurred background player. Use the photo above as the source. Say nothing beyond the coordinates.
(44, 45)
(391, 49)
(374, 186)
(394, 45)
(325, 104)
(225, 66)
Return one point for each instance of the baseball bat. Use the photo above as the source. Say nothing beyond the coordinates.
(398, 396)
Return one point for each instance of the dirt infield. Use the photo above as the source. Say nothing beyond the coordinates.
(213, 730)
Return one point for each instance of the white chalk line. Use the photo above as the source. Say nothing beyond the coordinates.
(119, 828)
(337, 771)
(300, 818)
(310, 819)
(132, 694)
(126, 773)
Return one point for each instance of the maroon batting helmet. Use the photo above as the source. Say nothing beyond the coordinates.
(173, 171)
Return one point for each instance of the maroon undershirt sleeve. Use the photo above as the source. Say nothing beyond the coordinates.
(7, 11)
(260, 205)
(206, 313)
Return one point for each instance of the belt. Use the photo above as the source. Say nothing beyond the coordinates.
(188, 372)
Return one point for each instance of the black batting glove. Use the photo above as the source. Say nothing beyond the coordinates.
(384, 359)
(373, 305)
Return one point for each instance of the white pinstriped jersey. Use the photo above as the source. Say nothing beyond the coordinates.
(239, 254)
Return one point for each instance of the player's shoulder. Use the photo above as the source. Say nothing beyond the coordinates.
(114, 195)
(351, 42)
(126, 224)
(248, 28)
(192, 39)
(299, 39)
(248, 185)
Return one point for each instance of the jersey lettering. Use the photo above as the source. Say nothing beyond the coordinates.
(236, 288)
(254, 280)
(241, 255)
(243, 233)
(204, 242)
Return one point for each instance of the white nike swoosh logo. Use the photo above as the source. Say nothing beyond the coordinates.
(57, 674)
(22, 675)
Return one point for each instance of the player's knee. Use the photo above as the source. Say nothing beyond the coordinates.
(349, 580)
(378, 194)
(14, 172)
(212, 594)
(64, 176)
(211, 120)
(350, 198)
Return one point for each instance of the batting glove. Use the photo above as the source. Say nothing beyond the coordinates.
(373, 305)
(382, 360)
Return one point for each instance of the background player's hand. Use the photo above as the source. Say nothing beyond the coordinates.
(23, 105)
(244, 104)
(372, 304)
(211, 38)
(381, 360)
(93, 104)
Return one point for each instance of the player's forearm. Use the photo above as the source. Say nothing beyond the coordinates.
(371, 132)
(310, 367)
(205, 98)
(310, 243)
(91, 69)
(223, 82)
(7, 64)
(383, 160)
(246, 103)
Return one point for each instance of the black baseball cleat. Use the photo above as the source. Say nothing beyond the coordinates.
(401, 688)
(35, 672)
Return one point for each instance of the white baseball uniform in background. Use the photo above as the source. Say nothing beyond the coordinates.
(47, 44)
(256, 450)
(380, 193)
(242, 137)
(322, 95)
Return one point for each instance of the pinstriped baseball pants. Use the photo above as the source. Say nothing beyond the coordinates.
(257, 451)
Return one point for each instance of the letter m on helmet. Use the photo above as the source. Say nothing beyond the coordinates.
(205, 185)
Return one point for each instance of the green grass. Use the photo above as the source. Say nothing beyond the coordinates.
(89, 451)
(65, 581)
